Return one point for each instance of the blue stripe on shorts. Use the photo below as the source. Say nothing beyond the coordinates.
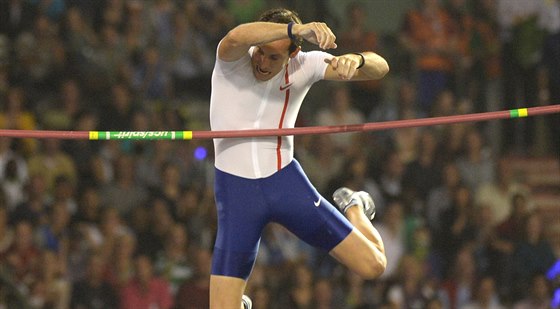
(287, 197)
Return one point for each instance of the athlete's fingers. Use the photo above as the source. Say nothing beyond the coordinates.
(352, 67)
(333, 62)
(344, 69)
(317, 33)
(332, 42)
(321, 37)
(352, 72)
(320, 34)
(328, 36)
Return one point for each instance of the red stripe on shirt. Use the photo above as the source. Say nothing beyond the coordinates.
(281, 124)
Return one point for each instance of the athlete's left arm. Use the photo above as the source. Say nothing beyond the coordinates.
(345, 67)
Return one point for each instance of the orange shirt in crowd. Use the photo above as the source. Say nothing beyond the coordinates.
(434, 39)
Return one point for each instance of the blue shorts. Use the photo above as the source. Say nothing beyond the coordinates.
(287, 197)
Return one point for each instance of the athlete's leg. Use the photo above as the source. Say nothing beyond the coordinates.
(352, 240)
(225, 292)
(362, 251)
(241, 217)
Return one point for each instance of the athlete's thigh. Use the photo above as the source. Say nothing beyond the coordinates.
(301, 209)
(241, 218)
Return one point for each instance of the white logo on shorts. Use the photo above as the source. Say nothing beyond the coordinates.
(317, 203)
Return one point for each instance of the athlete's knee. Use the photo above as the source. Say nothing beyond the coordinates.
(372, 271)
(361, 256)
(372, 266)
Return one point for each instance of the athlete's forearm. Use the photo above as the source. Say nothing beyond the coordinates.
(239, 39)
(257, 33)
(375, 66)
(366, 65)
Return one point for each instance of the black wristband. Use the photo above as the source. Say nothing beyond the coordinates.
(290, 34)
(361, 62)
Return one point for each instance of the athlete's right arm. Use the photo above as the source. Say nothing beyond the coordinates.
(238, 40)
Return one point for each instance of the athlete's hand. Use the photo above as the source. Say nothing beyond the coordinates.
(345, 66)
(316, 33)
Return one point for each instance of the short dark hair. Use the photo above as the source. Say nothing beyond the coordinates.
(283, 16)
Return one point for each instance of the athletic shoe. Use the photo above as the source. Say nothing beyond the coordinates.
(246, 301)
(346, 198)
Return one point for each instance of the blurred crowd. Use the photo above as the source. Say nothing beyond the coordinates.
(131, 224)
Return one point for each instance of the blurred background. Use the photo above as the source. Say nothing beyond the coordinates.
(469, 213)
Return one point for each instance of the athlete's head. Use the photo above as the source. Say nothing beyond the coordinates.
(269, 59)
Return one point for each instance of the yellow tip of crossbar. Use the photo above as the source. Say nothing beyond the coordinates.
(93, 135)
(187, 134)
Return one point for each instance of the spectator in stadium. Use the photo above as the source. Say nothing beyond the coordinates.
(195, 292)
(485, 295)
(539, 295)
(145, 290)
(94, 291)
(429, 34)
(532, 255)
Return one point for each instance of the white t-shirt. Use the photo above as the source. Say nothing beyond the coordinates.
(239, 102)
